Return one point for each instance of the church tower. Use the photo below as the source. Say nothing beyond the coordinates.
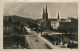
(45, 17)
(58, 17)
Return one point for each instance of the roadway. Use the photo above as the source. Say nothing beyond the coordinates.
(33, 44)
(40, 43)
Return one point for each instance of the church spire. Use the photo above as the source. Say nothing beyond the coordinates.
(43, 9)
(58, 16)
(45, 17)
(46, 8)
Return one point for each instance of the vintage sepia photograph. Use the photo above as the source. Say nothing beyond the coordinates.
(40, 25)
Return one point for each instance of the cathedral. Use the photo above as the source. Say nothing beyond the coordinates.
(45, 18)
(47, 23)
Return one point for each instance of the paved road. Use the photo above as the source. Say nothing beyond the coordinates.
(33, 44)
(40, 44)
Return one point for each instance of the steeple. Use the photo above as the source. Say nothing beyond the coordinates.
(43, 9)
(45, 17)
(58, 16)
(46, 8)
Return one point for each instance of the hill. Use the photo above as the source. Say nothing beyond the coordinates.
(20, 19)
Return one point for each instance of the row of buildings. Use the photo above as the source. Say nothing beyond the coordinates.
(10, 27)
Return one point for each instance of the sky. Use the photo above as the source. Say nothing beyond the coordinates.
(34, 9)
(41, 0)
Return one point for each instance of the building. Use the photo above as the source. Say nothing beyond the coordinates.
(9, 19)
(47, 23)
(55, 23)
(45, 18)
(8, 27)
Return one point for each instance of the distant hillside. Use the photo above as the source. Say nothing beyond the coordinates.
(20, 19)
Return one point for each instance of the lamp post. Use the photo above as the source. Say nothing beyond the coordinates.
(19, 43)
(62, 39)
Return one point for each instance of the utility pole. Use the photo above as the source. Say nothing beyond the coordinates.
(62, 39)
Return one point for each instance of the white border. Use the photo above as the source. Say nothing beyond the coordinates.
(1, 27)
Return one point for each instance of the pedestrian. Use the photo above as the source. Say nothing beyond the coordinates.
(69, 44)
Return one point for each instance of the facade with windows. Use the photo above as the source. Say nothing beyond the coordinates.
(55, 24)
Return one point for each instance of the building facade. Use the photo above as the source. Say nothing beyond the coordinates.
(46, 23)
(45, 18)
(55, 23)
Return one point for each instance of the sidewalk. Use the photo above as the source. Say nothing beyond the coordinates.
(47, 42)
(50, 44)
